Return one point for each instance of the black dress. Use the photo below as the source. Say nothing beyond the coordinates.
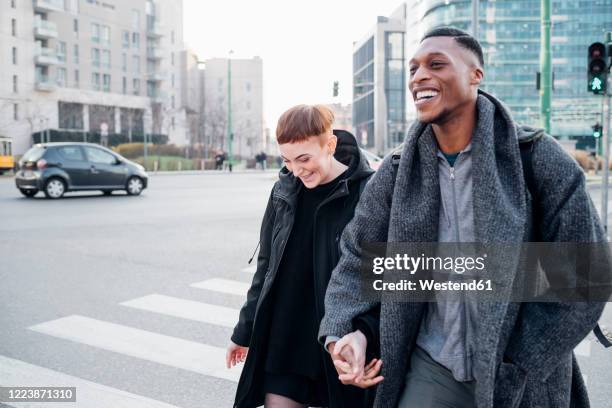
(293, 366)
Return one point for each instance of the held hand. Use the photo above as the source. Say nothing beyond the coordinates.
(235, 354)
(369, 379)
(350, 350)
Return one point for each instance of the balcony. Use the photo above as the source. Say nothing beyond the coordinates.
(154, 54)
(156, 76)
(44, 84)
(46, 6)
(155, 31)
(45, 56)
(45, 29)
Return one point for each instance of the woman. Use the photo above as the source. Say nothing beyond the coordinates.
(309, 206)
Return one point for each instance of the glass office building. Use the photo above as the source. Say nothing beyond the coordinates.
(509, 32)
(379, 84)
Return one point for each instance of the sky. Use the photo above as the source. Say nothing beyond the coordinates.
(305, 45)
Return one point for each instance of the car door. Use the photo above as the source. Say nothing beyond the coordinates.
(72, 160)
(105, 170)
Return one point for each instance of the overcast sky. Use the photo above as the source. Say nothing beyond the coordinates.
(305, 45)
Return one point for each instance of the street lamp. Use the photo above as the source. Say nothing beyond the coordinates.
(230, 134)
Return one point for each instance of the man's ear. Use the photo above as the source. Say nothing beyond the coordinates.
(476, 75)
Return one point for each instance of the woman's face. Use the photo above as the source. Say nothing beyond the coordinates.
(311, 159)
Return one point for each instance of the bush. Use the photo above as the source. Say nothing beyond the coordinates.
(134, 150)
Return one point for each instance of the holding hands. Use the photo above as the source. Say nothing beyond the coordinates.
(348, 355)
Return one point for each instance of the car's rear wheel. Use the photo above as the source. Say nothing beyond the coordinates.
(134, 185)
(28, 192)
(55, 188)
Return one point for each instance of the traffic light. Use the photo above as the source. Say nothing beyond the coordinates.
(335, 88)
(597, 68)
(597, 131)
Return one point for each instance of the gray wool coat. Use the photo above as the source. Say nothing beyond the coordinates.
(536, 340)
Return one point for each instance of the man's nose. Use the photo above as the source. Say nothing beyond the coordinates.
(421, 73)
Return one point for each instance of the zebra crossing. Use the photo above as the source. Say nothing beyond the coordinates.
(196, 357)
(192, 356)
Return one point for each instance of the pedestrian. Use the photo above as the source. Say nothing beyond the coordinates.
(264, 160)
(219, 159)
(309, 206)
(459, 177)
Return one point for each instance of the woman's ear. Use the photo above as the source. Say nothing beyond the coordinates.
(332, 142)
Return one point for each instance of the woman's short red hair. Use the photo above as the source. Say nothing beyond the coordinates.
(303, 121)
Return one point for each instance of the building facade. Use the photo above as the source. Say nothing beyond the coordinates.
(379, 84)
(509, 32)
(246, 90)
(91, 70)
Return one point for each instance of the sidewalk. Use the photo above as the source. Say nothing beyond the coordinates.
(211, 172)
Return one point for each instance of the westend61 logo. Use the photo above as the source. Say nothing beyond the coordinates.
(411, 264)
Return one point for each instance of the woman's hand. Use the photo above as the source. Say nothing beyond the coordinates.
(235, 354)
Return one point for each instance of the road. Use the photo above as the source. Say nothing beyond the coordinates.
(132, 299)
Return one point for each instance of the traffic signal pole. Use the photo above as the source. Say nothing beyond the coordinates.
(545, 66)
(606, 139)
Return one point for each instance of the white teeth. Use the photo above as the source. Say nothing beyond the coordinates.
(426, 94)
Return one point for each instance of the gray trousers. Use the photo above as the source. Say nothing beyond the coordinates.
(431, 385)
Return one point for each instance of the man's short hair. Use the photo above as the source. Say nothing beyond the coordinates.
(303, 121)
(464, 39)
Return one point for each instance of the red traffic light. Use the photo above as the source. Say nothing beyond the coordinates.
(597, 50)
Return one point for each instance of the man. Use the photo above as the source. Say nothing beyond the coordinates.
(460, 179)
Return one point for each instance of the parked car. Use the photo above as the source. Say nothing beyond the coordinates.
(373, 159)
(56, 168)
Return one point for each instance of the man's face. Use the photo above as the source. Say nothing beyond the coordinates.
(444, 78)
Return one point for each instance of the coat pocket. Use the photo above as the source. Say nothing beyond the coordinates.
(509, 386)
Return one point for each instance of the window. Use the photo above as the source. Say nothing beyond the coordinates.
(95, 32)
(106, 59)
(95, 57)
(124, 85)
(125, 39)
(95, 81)
(15, 81)
(14, 55)
(75, 53)
(136, 86)
(173, 123)
(15, 111)
(136, 64)
(172, 37)
(75, 28)
(136, 40)
(106, 82)
(135, 20)
(72, 153)
(172, 104)
(248, 87)
(124, 62)
(13, 4)
(61, 51)
(105, 35)
(60, 76)
(172, 58)
(70, 116)
(76, 78)
(96, 155)
(14, 27)
(172, 79)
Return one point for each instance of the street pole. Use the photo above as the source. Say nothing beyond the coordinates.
(475, 7)
(145, 149)
(230, 136)
(606, 140)
(545, 66)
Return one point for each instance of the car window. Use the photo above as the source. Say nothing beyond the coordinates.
(33, 154)
(99, 156)
(73, 153)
